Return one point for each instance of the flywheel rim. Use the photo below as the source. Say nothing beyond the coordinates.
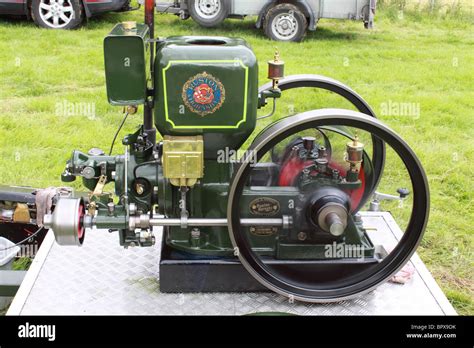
(379, 274)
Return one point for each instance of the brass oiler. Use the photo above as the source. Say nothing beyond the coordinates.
(354, 156)
(276, 69)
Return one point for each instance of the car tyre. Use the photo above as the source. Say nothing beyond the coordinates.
(57, 14)
(208, 13)
(285, 22)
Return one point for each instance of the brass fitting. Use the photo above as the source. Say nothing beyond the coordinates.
(276, 69)
(354, 156)
(183, 159)
(130, 109)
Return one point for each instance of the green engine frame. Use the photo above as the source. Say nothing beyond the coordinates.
(227, 70)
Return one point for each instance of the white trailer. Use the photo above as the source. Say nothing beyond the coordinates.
(282, 20)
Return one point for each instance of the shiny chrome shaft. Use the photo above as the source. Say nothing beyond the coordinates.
(145, 222)
(215, 222)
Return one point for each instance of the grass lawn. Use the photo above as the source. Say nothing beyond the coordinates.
(411, 58)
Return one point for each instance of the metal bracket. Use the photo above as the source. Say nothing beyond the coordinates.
(99, 188)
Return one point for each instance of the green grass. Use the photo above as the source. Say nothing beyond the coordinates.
(421, 57)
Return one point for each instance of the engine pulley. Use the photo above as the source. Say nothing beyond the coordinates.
(68, 221)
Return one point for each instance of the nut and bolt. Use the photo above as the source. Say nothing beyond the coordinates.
(358, 218)
(131, 109)
(111, 208)
(140, 189)
(195, 233)
(195, 237)
(88, 173)
(322, 164)
(322, 152)
(302, 236)
(308, 143)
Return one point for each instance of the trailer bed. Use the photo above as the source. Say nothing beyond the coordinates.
(102, 278)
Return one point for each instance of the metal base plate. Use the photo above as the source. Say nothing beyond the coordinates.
(181, 273)
(101, 278)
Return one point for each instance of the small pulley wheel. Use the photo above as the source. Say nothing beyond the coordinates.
(67, 221)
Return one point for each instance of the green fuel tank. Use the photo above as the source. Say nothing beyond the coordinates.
(206, 86)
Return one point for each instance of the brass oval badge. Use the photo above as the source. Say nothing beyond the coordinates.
(263, 231)
(264, 206)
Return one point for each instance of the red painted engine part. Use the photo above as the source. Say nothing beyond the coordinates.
(294, 166)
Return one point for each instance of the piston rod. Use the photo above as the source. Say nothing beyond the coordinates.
(215, 222)
(145, 222)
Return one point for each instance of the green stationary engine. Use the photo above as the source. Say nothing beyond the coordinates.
(286, 208)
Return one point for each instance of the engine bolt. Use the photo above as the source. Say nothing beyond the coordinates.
(195, 233)
(111, 208)
(322, 152)
(195, 237)
(140, 189)
(308, 143)
(88, 173)
(302, 236)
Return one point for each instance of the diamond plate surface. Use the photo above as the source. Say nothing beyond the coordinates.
(101, 278)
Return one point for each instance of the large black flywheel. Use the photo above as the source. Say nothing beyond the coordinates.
(324, 250)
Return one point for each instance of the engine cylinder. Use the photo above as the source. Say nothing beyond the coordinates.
(206, 86)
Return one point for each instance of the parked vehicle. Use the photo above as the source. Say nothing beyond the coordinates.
(61, 14)
(281, 20)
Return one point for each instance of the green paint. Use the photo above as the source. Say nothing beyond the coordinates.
(126, 56)
(214, 62)
(229, 60)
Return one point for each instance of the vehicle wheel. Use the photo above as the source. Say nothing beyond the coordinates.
(57, 14)
(285, 22)
(208, 13)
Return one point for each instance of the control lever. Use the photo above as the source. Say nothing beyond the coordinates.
(403, 193)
